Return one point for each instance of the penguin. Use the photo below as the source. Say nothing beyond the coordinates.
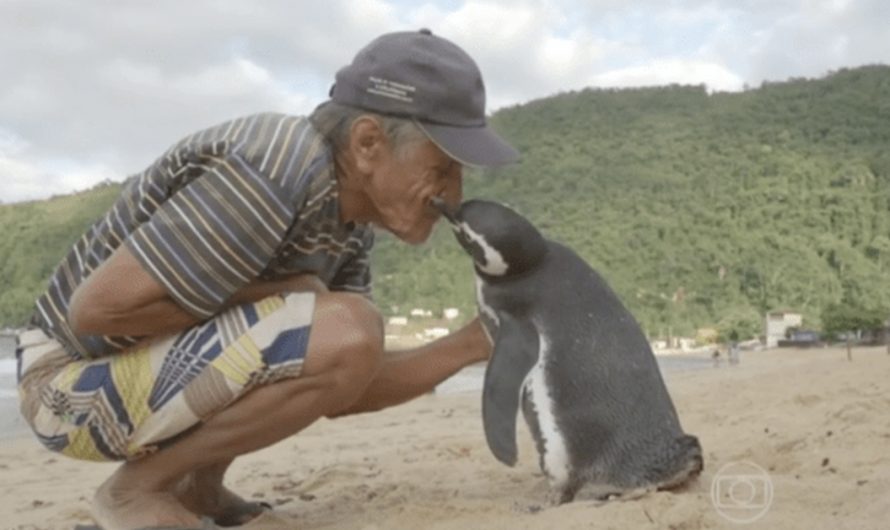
(571, 357)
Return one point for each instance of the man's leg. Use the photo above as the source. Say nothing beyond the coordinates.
(408, 374)
(343, 356)
(403, 375)
(202, 492)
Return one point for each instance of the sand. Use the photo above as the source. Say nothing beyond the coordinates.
(818, 425)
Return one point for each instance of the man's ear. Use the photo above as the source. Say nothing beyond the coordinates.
(366, 143)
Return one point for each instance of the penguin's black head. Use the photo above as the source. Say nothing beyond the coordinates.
(501, 242)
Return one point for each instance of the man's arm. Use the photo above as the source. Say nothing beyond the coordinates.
(121, 298)
(408, 374)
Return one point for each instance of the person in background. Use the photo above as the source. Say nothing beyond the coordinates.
(733, 348)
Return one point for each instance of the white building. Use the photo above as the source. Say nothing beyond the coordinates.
(776, 324)
(434, 333)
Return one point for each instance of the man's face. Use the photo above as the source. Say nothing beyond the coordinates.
(403, 183)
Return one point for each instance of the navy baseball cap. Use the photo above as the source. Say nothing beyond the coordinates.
(418, 75)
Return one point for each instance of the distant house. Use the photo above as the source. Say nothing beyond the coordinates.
(674, 344)
(398, 321)
(776, 325)
(801, 339)
(434, 333)
(805, 336)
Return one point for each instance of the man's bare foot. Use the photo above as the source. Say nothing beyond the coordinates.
(206, 496)
(121, 505)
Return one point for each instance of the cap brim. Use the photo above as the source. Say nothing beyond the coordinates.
(471, 146)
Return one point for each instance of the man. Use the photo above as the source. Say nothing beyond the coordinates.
(221, 304)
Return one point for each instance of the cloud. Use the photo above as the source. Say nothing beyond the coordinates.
(671, 71)
(93, 89)
(105, 90)
(524, 49)
(803, 38)
(25, 179)
(22, 181)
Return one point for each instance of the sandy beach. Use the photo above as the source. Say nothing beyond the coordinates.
(817, 425)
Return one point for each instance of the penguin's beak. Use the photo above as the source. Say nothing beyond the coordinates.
(439, 204)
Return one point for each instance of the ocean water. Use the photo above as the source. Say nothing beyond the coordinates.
(7, 375)
(11, 422)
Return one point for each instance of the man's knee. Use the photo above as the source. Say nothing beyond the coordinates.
(353, 321)
(345, 344)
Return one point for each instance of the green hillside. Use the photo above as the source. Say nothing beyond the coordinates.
(34, 237)
(701, 210)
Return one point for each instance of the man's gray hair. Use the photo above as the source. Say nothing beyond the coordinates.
(334, 122)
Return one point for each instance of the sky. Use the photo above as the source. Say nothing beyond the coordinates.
(95, 90)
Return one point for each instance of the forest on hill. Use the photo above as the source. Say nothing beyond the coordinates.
(700, 209)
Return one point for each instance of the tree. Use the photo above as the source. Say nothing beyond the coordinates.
(851, 321)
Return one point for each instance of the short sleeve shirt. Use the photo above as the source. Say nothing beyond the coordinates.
(254, 197)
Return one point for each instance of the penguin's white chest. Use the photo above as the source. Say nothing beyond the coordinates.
(537, 389)
(489, 317)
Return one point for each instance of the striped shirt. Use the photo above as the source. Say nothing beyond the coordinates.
(254, 197)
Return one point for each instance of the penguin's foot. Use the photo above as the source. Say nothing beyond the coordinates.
(686, 475)
(597, 493)
(600, 494)
(629, 495)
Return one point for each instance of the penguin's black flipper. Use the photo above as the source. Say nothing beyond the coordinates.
(515, 353)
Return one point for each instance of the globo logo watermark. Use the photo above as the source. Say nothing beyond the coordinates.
(742, 492)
